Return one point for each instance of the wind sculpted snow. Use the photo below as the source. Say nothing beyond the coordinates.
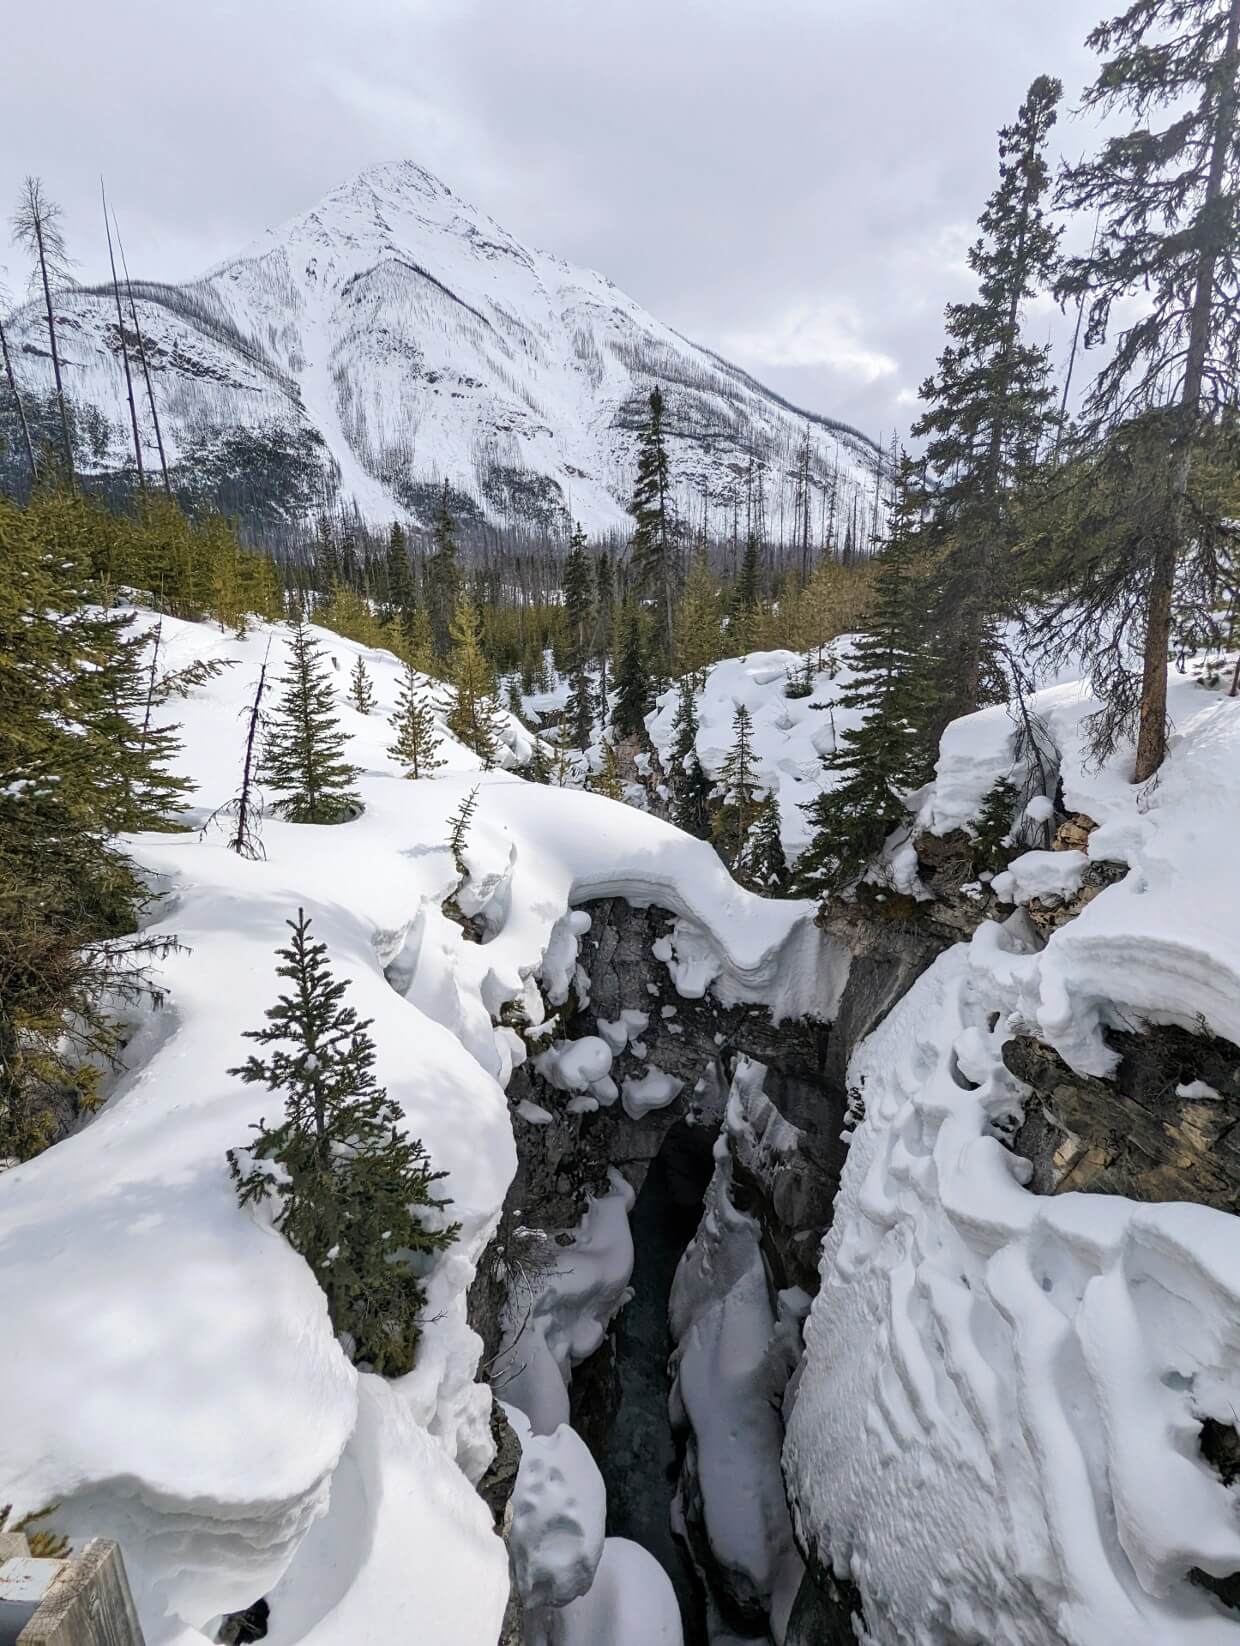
(170, 1376)
(996, 1434)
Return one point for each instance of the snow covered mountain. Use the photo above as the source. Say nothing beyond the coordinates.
(395, 337)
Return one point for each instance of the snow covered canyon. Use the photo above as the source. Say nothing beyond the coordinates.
(946, 1354)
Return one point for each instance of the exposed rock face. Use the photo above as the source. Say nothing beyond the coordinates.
(823, 1612)
(1166, 1127)
(496, 1489)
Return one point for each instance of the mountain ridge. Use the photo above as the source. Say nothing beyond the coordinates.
(393, 337)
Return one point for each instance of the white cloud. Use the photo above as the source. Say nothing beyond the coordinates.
(813, 334)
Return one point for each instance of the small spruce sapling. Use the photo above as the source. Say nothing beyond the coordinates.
(417, 742)
(352, 1191)
(303, 755)
(361, 693)
(458, 832)
(768, 866)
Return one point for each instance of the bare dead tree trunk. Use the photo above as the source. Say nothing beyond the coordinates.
(156, 639)
(37, 220)
(245, 840)
(17, 401)
(146, 369)
(120, 332)
(1152, 725)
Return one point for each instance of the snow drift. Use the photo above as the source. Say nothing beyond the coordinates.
(996, 1433)
(170, 1377)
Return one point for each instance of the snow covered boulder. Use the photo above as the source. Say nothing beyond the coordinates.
(559, 1513)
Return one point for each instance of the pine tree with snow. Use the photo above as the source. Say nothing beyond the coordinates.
(352, 1191)
(655, 560)
(989, 410)
(361, 693)
(631, 676)
(767, 864)
(874, 766)
(416, 742)
(737, 810)
(304, 761)
(690, 787)
(472, 719)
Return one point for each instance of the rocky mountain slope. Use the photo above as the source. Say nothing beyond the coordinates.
(394, 337)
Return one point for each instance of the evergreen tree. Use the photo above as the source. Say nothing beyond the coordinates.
(304, 749)
(417, 742)
(746, 602)
(414, 644)
(141, 793)
(738, 797)
(608, 781)
(70, 775)
(631, 682)
(459, 825)
(987, 412)
(401, 591)
(768, 866)
(578, 602)
(875, 765)
(604, 602)
(689, 784)
(361, 693)
(654, 542)
(699, 635)
(579, 714)
(1168, 203)
(352, 1190)
(537, 770)
(472, 719)
(443, 578)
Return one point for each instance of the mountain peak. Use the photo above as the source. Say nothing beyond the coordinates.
(396, 337)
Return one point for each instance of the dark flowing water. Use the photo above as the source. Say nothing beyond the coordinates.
(638, 1457)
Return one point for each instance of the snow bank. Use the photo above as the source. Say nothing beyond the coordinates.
(996, 1430)
(735, 1350)
(632, 1599)
(559, 1512)
(1164, 944)
(791, 735)
(170, 1377)
(567, 1318)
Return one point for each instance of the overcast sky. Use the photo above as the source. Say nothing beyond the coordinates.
(793, 182)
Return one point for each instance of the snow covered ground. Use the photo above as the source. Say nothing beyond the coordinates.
(791, 735)
(996, 1427)
(169, 1374)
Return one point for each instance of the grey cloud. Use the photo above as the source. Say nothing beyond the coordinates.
(792, 181)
